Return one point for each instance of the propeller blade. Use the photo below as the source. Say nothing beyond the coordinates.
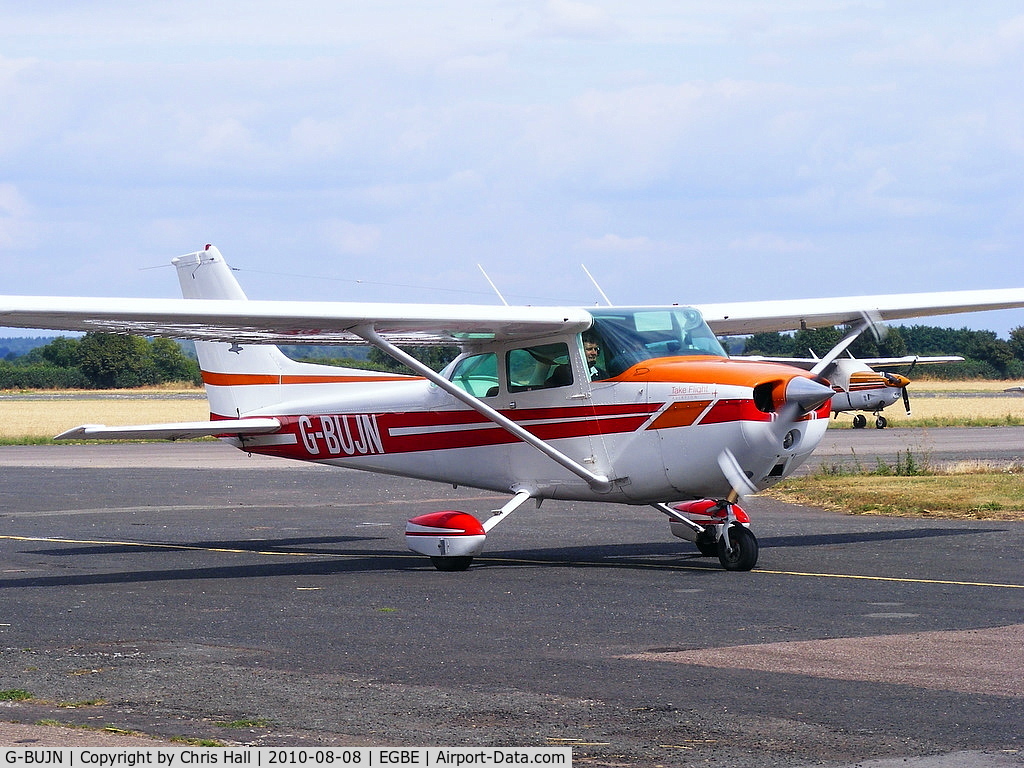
(906, 400)
(836, 351)
(879, 329)
(872, 321)
(738, 480)
(911, 369)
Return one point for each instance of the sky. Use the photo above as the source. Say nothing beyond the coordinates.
(686, 151)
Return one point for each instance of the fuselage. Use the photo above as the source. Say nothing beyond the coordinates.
(655, 426)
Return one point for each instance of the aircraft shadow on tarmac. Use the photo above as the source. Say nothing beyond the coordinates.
(297, 545)
(638, 555)
(650, 556)
(866, 537)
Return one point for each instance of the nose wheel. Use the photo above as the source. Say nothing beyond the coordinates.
(716, 528)
(737, 548)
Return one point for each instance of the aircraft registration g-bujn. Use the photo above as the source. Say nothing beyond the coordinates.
(638, 406)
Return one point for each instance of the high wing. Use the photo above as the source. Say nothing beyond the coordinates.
(306, 322)
(737, 318)
(289, 322)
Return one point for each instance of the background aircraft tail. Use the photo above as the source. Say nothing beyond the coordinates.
(242, 378)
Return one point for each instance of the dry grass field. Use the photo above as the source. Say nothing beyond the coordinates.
(33, 416)
(979, 385)
(951, 409)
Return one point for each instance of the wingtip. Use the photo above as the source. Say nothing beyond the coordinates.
(80, 431)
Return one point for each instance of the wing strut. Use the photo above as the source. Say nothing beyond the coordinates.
(599, 483)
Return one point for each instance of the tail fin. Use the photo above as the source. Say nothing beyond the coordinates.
(241, 379)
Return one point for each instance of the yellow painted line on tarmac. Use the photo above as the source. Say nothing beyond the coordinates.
(903, 580)
(511, 560)
(766, 571)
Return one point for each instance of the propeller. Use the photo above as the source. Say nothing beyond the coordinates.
(897, 381)
(906, 395)
(802, 395)
(737, 546)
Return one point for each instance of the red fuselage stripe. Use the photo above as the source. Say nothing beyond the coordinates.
(326, 436)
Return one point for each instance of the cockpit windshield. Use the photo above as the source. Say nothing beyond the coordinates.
(631, 336)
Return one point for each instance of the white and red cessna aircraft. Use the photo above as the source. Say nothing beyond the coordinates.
(658, 415)
(859, 387)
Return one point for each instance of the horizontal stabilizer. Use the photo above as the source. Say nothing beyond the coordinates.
(184, 430)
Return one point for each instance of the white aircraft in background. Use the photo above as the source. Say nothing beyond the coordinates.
(658, 416)
(859, 387)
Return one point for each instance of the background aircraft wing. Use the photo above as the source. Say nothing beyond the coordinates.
(872, 362)
(879, 362)
(744, 317)
(288, 322)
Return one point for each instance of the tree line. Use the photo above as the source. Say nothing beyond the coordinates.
(113, 361)
(986, 356)
(99, 361)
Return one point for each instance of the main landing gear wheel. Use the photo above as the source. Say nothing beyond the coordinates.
(743, 554)
(451, 563)
(860, 421)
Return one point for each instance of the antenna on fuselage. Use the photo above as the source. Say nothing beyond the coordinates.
(488, 279)
(603, 294)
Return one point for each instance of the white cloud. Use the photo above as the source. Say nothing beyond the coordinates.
(571, 18)
(616, 243)
(349, 238)
(772, 243)
(14, 210)
(12, 204)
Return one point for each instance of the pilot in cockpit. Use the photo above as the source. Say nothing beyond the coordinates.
(592, 350)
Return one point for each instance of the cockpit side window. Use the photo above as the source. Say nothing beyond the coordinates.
(540, 367)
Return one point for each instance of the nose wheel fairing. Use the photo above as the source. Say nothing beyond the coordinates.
(717, 528)
(451, 539)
